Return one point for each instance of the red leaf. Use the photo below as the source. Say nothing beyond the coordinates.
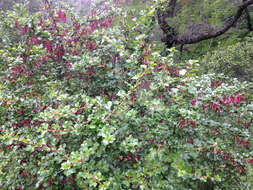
(191, 140)
(133, 99)
(50, 46)
(17, 25)
(136, 157)
(50, 182)
(24, 173)
(35, 39)
(62, 16)
(204, 107)
(193, 102)
(93, 13)
(41, 22)
(193, 124)
(181, 123)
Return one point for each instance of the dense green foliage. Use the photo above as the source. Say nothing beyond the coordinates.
(234, 60)
(91, 103)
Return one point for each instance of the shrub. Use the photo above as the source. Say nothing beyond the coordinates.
(233, 60)
(93, 105)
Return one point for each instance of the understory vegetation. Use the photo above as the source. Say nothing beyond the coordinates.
(142, 95)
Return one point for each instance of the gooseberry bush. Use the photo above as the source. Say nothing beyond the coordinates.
(90, 103)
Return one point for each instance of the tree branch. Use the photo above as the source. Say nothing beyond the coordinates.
(248, 18)
(171, 38)
(169, 32)
(172, 6)
(219, 32)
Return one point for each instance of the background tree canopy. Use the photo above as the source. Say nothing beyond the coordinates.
(188, 22)
(94, 100)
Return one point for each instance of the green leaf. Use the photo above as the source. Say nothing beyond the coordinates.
(66, 165)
